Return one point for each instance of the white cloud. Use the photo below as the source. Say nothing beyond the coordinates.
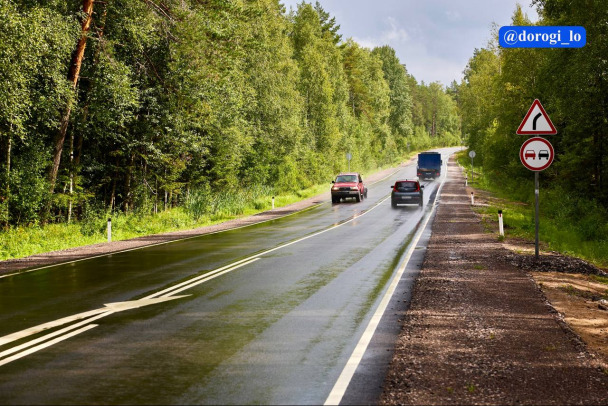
(396, 33)
(433, 38)
(392, 35)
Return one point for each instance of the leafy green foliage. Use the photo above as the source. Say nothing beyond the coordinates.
(211, 106)
(499, 87)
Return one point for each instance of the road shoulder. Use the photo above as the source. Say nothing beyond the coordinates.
(479, 330)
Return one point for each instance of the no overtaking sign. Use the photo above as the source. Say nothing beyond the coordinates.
(536, 154)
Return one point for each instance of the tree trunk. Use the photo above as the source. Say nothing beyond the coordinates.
(156, 196)
(73, 75)
(4, 200)
(128, 179)
(71, 178)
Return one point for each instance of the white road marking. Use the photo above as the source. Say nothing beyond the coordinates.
(158, 297)
(51, 335)
(40, 328)
(337, 392)
(230, 267)
(109, 308)
(47, 344)
(134, 304)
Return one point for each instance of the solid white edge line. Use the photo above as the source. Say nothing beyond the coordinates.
(339, 389)
(47, 344)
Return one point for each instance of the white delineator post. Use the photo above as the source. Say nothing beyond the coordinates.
(466, 180)
(272, 202)
(472, 198)
(501, 229)
(109, 230)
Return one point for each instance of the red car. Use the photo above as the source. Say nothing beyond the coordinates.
(348, 185)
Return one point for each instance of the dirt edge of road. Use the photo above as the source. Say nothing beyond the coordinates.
(32, 262)
(483, 329)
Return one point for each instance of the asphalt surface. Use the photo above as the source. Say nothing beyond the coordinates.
(269, 313)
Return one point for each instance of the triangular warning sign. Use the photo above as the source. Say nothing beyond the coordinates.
(537, 121)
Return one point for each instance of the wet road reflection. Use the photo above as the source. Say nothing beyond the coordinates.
(264, 314)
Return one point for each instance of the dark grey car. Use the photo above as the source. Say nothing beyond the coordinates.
(407, 192)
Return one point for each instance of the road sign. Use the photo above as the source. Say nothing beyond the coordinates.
(536, 121)
(536, 154)
(349, 156)
(472, 154)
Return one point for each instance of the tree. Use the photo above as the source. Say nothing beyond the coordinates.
(395, 73)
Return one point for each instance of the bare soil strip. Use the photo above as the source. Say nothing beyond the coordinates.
(479, 330)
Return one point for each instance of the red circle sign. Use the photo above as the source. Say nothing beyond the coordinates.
(536, 154)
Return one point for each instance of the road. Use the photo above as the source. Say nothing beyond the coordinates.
(268, 314)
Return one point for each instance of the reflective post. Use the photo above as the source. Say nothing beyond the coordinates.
(272, 202)
(472, 199)
(109, 230)
(501, 229)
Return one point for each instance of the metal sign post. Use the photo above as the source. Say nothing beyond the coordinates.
(349, 156)
(472, 155)
(537, 155)
(536, 212)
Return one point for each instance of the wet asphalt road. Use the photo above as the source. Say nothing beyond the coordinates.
(265, 314)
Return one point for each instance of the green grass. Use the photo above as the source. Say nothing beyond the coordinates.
(600, 279)
(584, 237)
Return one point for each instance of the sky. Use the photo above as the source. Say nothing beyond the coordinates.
(433, 38)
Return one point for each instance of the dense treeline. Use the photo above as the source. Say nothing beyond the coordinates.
(140, 104)
(500, 85)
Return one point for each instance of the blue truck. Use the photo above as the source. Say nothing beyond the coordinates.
(429, 165)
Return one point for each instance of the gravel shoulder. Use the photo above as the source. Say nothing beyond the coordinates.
(480, 330)
(88, 251)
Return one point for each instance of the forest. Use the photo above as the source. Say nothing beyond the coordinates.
(499, 87)
(139, 106)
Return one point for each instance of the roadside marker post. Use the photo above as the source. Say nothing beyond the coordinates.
(501, 230)
(472, 199)
(109, 229)
(272, 202)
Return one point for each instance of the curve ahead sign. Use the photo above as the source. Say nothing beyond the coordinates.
(536, 154)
